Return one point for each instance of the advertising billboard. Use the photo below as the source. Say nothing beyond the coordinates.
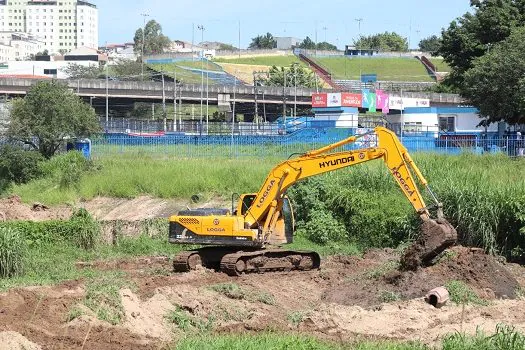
(334, 100)
(351, 100)
(319, 100)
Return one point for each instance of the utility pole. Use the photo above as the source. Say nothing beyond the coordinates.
(175, 101)
(144, 15)
(233, 110)
(207, 103)
(239, 39)
(315, 38)
(164, 103)
(256, 116)
(284, 100)
(201, 28)
(359, 20)
(192, 40)
(325, 29)
(295, 93)
(107, 96)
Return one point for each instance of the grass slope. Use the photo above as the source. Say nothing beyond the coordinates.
(280, 61)
(440, 64)
(187, 76)
(389, 69)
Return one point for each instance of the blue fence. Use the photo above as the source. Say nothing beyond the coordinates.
(194, 146)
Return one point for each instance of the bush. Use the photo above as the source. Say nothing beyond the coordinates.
(12, 250)
(81, 230)
(323, 228)
(67, 169)
(18, 166)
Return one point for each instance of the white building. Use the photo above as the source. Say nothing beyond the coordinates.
(62, 25)
(18, 46)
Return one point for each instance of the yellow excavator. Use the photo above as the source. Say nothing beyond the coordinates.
(249, 237)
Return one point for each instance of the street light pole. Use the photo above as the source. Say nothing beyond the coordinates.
(143, 39)
(201, 28)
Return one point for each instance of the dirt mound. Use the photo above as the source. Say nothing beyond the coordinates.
(486, 276)
(12, 208)
(15, 341)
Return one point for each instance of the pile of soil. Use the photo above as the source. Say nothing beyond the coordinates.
(488, 278)
(12, 208)
(16, 341)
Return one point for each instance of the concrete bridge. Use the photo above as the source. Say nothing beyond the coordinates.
(136, 91)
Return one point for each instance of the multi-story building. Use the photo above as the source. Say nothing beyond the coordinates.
(19, 46)
(61, 24)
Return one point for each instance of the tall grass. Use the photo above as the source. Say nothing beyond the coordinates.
(484, 196)
(12, 250)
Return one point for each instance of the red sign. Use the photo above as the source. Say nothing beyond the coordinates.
(319, 100)
(351, 100)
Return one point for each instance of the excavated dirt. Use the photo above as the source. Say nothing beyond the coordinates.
(487, 277)
(12, 208)
(348, 297)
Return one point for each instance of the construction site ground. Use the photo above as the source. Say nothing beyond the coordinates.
(349, 298)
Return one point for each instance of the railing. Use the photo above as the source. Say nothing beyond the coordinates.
(242, 143)
(391, 86)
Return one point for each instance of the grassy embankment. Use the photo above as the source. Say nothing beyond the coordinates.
(482, 195)
(389, 69)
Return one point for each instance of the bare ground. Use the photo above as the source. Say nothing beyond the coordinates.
(349, 297)
(343, 300)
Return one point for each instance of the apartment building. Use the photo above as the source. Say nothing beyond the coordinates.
(62, 25)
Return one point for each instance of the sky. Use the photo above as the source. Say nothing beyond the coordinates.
(333, 20)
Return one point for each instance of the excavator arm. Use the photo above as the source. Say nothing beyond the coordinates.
(265, 209)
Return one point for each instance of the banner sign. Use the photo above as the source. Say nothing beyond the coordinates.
(372, 102)
(351, 100)
(382, 101)
(366, 101)
(334, 100)
(319, 100)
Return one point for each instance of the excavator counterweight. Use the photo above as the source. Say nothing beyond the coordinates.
(244, 239)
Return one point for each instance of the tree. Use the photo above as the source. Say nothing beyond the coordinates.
(48, 115)
(383, 41)
(473, 34)
(77, 71)
(154, 41)
(307, 44)
(496, 82)
(430, 44)
(296, 74)
(263, 42)
(227, 47)
(326, 46)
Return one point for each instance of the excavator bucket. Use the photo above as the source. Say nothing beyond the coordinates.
(435, 236)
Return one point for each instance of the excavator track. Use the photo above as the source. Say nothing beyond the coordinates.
(235, 263)
(261, 261)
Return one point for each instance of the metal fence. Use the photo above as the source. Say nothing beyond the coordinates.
(239, 145)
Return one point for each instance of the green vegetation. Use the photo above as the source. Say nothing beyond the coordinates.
(389, 69)
(103, 297)
(198, 64)
(279, 61)
(234, 291)
(187, 322)
(150, 40)
(461, 293)
(369, 204)
(184, 76)
(12, 250)
(440, 64)
(52, 255)
(363, 205)
(506, 338)
(383, 42)
(389, 297)
(18, 166)
(47, 114)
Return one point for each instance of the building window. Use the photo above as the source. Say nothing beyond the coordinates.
(447, 123)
